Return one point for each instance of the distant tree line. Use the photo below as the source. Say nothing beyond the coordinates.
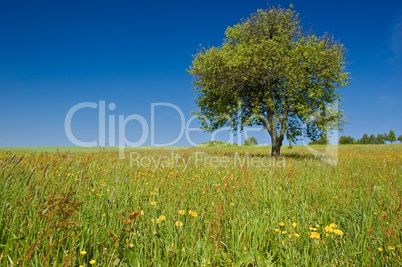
(372, 139)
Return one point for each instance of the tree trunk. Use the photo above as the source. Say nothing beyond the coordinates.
(276, 140)
(276, 145)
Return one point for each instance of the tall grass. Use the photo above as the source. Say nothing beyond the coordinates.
(84, 208)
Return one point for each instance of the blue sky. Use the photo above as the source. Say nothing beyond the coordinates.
(56, 54)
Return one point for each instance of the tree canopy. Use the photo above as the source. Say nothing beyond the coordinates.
(270, 72)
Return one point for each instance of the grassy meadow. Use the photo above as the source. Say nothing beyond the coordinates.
(200, 207)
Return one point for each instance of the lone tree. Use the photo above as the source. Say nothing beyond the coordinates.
(400, 138)
(270, 72)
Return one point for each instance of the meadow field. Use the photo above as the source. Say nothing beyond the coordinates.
(200, 207)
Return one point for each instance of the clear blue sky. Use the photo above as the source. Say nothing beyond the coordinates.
(56, 54)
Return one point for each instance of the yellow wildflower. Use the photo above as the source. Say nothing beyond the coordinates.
(329, 229)
(314, 235)
(380, 249)
(92, 262)
(83, 253)
(297, 235)
(182, 212)
(281, 224)
(153, 203)
(283, 232)
(192, 213)
(276, 230)
(391, 248)
(179, 224)
(131, 245)
(333, 225)
(294, 224)
(338, 232)
(162, 217)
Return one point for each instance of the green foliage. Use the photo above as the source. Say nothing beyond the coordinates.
(379, 140)
(363, 140)
(323, 140)
(391, 136)
(269, 72)
(371, 140)
(400, 138)
(251, 141)
(346, 140)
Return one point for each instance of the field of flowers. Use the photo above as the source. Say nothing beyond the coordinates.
(201, 207)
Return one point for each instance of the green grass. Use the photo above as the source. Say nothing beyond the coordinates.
(58, 203)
